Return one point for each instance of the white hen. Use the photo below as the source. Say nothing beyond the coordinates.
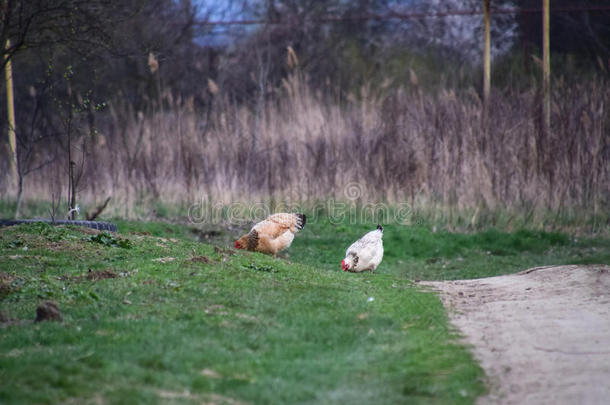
(366, 253)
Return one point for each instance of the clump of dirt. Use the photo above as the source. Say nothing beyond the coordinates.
(200, 259)
(100, 275)
(91, 275)
(224, 251)
(48, 311)
(5, 283)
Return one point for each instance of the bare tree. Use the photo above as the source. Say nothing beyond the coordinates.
(28, 142)
(75, 24)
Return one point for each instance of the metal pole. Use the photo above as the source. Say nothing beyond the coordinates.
(10, 106)
(546, 64)
(486, 53)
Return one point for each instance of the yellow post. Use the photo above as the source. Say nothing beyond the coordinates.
(10, 106)
(546, 63)
(486, 53)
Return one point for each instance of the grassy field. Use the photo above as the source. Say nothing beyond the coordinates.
(167, 313)
(425, 253)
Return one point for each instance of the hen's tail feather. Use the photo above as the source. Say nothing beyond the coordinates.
(301, 220)
(379, 227)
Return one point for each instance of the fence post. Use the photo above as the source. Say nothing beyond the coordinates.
(10, 106)
(486, 53)
(546, 65)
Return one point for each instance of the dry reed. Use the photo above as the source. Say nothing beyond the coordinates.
(298, 145)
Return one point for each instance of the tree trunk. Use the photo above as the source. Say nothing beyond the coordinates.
(19, 196)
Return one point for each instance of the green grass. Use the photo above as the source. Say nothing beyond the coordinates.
(212, 325)
(419, 253)
(184, 322)
(573, 220)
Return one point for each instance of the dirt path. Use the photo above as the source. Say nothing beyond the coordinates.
(542, 336)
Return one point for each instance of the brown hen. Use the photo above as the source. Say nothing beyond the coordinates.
(273, 234)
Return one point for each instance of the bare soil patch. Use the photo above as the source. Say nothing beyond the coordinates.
(5, 283)
(200, 259)
(224, 251)
(100, 275)
(92, 275)
(542, 336)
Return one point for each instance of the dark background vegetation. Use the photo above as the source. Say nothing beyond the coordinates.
(157, 105)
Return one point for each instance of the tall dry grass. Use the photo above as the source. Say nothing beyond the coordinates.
(396, 145)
